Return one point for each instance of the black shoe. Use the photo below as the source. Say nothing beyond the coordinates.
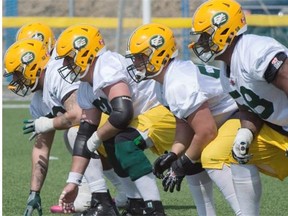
(134, 207)
(153, 208)
(101, 205)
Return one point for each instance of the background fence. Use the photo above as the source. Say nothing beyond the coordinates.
(118, 18)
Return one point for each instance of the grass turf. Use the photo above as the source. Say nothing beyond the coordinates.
(16, 171)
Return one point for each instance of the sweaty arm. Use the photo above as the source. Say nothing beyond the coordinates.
(277, 72)
(72, 115)
(40, 159)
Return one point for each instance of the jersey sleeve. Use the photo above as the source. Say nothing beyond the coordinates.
(261, 54)
(110, 69)
(85, 96)
(183, 100)
(37, 107)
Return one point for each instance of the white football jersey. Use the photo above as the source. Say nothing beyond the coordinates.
(110, 68)
(187, 86)
(37, 107)
(246, 82)
(55, 88)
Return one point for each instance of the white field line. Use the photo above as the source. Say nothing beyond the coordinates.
(14, 106)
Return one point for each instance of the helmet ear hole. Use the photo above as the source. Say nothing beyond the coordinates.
(161, 53)
(225, 31)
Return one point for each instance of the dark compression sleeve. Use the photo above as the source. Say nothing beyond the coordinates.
(85, 131)
(274, 66)
(122, 112)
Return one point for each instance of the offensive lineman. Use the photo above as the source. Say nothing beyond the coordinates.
(53, 107)
(256, 76)
(136, 121)
(195, 96)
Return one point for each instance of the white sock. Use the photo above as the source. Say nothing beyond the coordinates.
(201, 187)
(223, 180)
(130, 188)
(120, 198)
(98, 186)
(113, 178)
(151, 192)
(247, 184)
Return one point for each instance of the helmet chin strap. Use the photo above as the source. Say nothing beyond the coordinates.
(85, 72)
(35, 85)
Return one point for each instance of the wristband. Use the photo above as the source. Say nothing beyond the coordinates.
(75, 178)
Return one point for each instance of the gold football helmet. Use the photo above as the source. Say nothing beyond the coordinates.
(79, 45)
(25, 60)
(216, 23)
(39, 31)
(150, 47)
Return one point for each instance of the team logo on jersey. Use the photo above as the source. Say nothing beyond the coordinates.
(27, 58)
(80, 42)
(157, 41)
(219, 19)
(38, 36)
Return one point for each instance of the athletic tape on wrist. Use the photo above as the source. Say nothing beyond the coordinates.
(75, 178)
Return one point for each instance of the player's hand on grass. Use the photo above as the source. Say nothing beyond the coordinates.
(33, 203)
(67, 198)
(162, 163)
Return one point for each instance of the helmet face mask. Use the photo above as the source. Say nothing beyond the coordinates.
(19, 84)
(150, 48)
(141, 68)
(70, 72)
(78, 45)
(204, 47)
(222, 20)
(25, 60)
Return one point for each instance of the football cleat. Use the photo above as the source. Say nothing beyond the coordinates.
(101, 205)
(134, 207)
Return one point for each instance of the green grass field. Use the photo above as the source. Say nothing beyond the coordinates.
(16, 167)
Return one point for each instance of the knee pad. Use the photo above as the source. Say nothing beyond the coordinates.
(132, 159)
(110, 150)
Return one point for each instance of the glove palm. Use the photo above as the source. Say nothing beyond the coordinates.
(33, 202)
(162, 163)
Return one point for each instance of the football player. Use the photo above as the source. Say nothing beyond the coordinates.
(136, 120)
(256, 75)
(28, 61)
(195, 96)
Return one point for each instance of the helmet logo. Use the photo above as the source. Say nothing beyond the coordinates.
(157, 41)
(80, 42)
(38, 36)
(220, 19)
(27, 58)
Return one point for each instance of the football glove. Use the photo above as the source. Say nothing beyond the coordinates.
(241, 145)
(177, 172)
(36, 126)
(33, 202)
(162, 163)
